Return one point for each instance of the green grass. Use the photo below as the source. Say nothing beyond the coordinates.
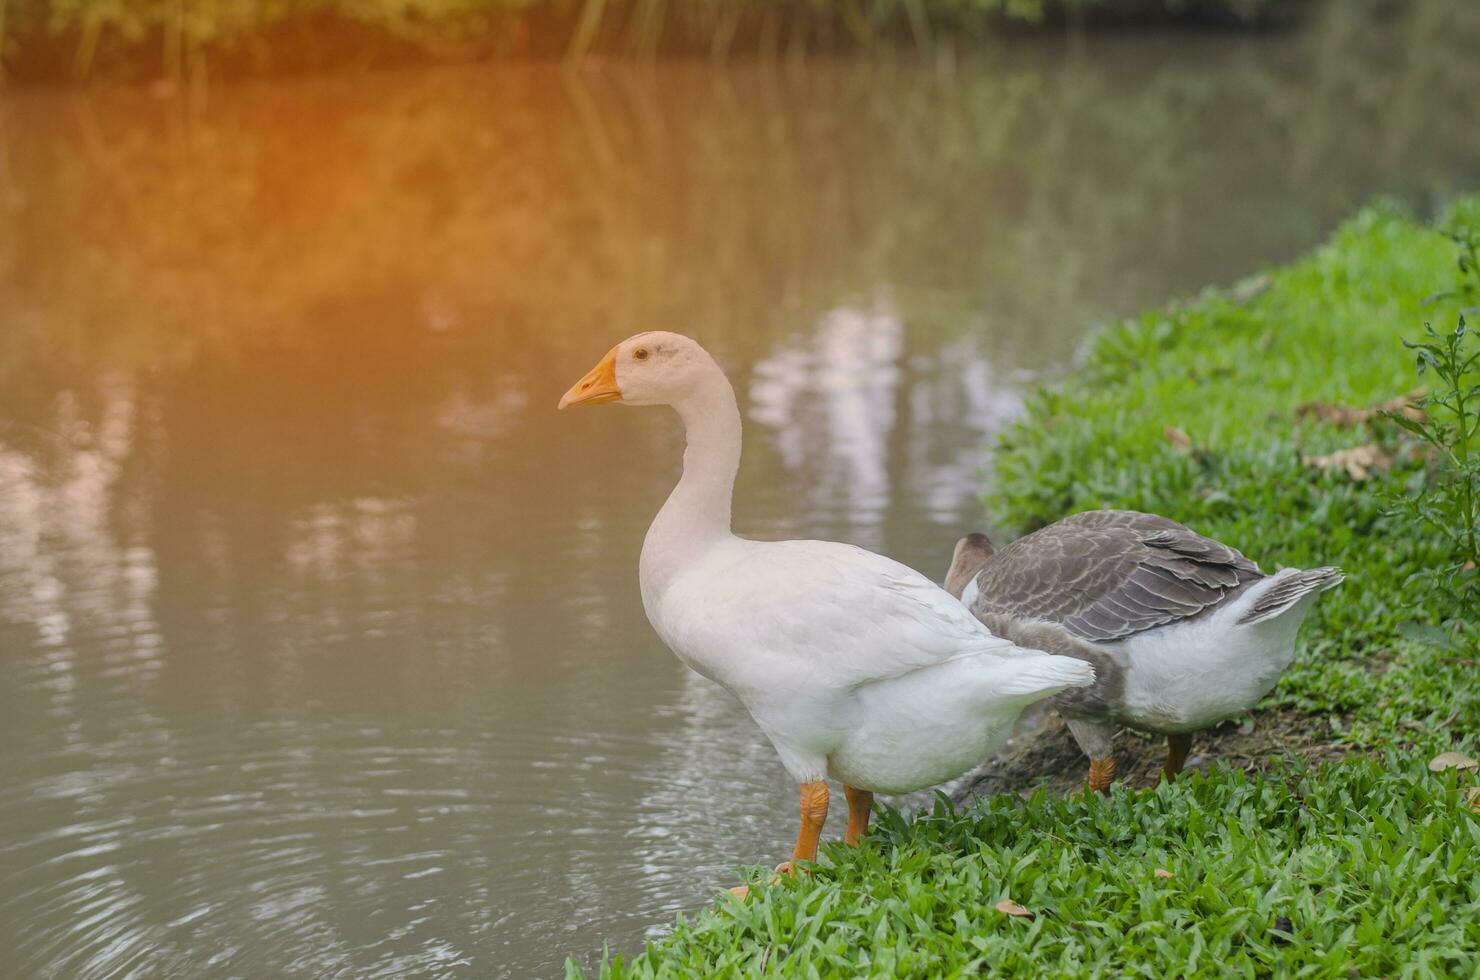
(1230, 374)
(1371, 862)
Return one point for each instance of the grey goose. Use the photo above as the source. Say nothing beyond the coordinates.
(1184, 632)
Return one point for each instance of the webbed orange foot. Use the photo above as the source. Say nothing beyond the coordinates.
(784, 868)
(814, 814)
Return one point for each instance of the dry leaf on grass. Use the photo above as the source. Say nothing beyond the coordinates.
(1347, 416)
(1452, 760)
(1009, 907)
(1179, 439)
(1406, 406)
(1336, 413)
(1473, 796)
(1163, 873)
(1358, 461)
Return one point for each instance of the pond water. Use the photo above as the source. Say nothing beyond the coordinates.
(321, 650)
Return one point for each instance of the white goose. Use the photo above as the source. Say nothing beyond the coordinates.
(856, 667)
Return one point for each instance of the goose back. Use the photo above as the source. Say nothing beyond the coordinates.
(1105, 575)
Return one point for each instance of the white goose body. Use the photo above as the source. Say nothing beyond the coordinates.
(854, 666)
(1193, 674)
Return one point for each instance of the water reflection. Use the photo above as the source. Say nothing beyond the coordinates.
(320, 648)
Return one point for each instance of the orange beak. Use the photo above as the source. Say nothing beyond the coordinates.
(598, 386)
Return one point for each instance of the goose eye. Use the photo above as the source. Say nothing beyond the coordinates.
(641, 353)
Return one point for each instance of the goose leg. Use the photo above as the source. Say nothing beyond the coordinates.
(1177, 747)
(814, 815)
(860, 805)
(1093, 736)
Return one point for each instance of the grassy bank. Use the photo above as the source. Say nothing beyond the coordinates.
(58, 39)
(1213, 412)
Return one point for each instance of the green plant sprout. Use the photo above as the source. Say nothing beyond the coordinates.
(1448, 498)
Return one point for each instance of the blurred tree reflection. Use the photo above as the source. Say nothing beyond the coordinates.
(343, 307)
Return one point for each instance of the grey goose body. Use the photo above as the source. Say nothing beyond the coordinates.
(1184, 631)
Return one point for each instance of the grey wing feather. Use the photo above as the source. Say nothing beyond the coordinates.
(1108, 574)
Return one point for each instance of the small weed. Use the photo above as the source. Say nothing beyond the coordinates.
(1446, 498)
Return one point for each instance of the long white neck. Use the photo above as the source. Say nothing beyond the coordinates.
(697, 513)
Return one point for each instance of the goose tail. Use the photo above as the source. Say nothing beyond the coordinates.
(1280, 592)
(1044, 675)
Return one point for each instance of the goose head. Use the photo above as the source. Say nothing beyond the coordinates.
(971, 554)
(652, 368)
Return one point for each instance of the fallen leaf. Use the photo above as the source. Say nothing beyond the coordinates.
(1346, 416)
(1452, 760)
(1009, 907)
(1406, 406)
(1179, 439)
(1162, 873)
(1473, 796)
(1335, 413)
(1358, 461)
